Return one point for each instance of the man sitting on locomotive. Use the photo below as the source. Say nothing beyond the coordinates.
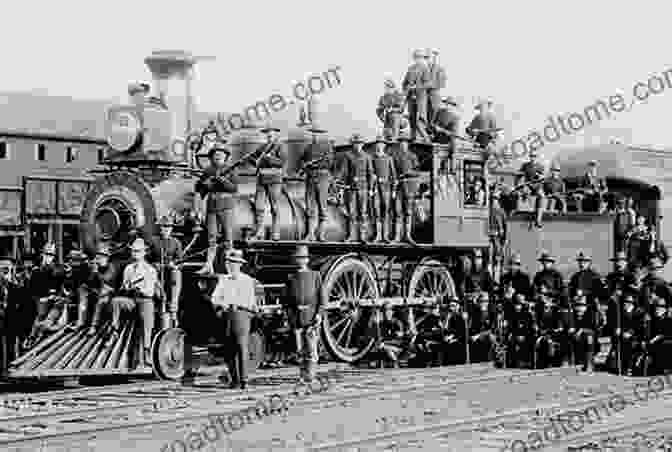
(220, 189)
(592, 189)
(529, 180)
(140, 285)
(167, 252)
(47, 284)
(77, 276)
(103, 282)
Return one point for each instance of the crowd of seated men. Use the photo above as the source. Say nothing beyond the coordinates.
(621, 322)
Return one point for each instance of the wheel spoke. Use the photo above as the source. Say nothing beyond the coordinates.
(337, 324)
(349, 338)
(345, 328)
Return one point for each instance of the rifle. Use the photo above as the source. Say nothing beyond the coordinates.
(618, 338)
(488, 131)
(453, 134)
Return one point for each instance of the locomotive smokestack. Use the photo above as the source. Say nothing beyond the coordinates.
(172, 71)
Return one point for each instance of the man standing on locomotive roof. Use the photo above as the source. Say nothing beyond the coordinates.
(385, 178)
(236, 292)
(551, 277)
(483, 128)
(359, 177)
(519, 279)
(220, 189)
(437, 77)
(316, 162)
(416, 83)
(405, 189)
(390, 108)
(304, 303)
(270, 174)
(446, 122)
(140, 283)
(167, 252)
(586, 279)
(104, 280)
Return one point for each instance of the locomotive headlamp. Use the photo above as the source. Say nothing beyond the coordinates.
(123, 129)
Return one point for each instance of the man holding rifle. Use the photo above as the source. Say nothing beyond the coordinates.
(168, 251)
(483, 128)
(217, 189)
(447, 122)
(389, 110)
(316, 163)
(270, 173)
(359, 177)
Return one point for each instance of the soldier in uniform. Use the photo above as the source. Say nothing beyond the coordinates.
(520, 333)
(554, 191)
(586, 279)
(620, 278)
(405, 190)
(520, 280)
(304, 303)
(551, 333)
(447, 122)
(653, 283)
(593, 188)
(629, 330)
(660, 338)
(551, 277)
(482, 329)
(270, 174)
(358, 175)
(103, 282)
(455, 330)
(140, 284)
(529, 180)
(498, 235)
(385, 177)
(167, 253)
(483, 128)
(389, 110)
(317, 162)
(416, 83)
(220, 189)
(437, 77)
(391, 335)
(582, 331)
(479, 279)
(624, 221)
(9, 291)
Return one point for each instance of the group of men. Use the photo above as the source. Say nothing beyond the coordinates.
(431, 118)
(38, 301)
(622, 322)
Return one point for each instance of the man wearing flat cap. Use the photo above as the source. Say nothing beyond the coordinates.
(586, 279)
(358, 175)
(317, 162)
(217, 189)
(551, 277)
(304, 303)
(270, 175)
(235, 293)
(437, 77)
(390, 108)
(167, 253)
(385, 177)
(416, 83)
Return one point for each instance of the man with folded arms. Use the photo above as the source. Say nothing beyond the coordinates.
(235, 292)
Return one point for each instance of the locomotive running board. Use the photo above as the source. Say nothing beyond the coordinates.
(73, 353)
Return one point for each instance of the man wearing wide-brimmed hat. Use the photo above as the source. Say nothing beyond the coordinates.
(415, 85)
(406, 166)
(167, 252)
(358, 175)
(139, 284)
(270, 175)
(103, 282)
(519, 279)
(236, 301)
(316, 162)
(629, 334)
(586, 279)
(551, 277)
(582, 330)
(654, 283)
(217, 189)
(385, 178)
(304, 303)
(390, 108)
(621, 277)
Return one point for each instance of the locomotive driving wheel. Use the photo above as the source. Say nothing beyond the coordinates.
(430, 280)
(168, 354)
(350, 290)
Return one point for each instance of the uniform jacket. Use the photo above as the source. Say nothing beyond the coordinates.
(553, 279)
(46, 278)
(478, 281)
(619, 280)
(271, 167)
(454, 325)
(417, 77)
(623, 222)
(357, 170)
(554, 186)
(393, 102)
(632, 323)
(437, 76)
(661, 326)
(585, 321)
(447, 119)
(220, 190)
(591, 182)
(303, 297)
(166, 250)
(319, 156)
(521, 324)
(405, 162)
(521, 282)
(482, 320)
(105, 276)
(482, 121)
(550, 319)
(587, 280)
(384, 169)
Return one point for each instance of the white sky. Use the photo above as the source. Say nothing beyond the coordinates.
(534, 58)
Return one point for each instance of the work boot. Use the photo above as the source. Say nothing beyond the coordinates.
(408, 224)
(259, 231)
(352, 231)
(310, 232)
(321, 231)
(379, 232)
(208, 268)
(397, 232)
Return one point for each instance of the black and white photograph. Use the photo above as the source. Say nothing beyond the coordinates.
(337, 227)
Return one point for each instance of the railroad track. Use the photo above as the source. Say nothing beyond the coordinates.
(499, 431)
(208, 399)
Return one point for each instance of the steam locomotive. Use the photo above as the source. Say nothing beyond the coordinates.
(151, 170)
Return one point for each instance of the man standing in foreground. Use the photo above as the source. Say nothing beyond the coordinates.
(235, 292)
(304, 303)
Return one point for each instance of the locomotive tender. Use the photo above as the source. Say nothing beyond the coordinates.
(151, 173)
